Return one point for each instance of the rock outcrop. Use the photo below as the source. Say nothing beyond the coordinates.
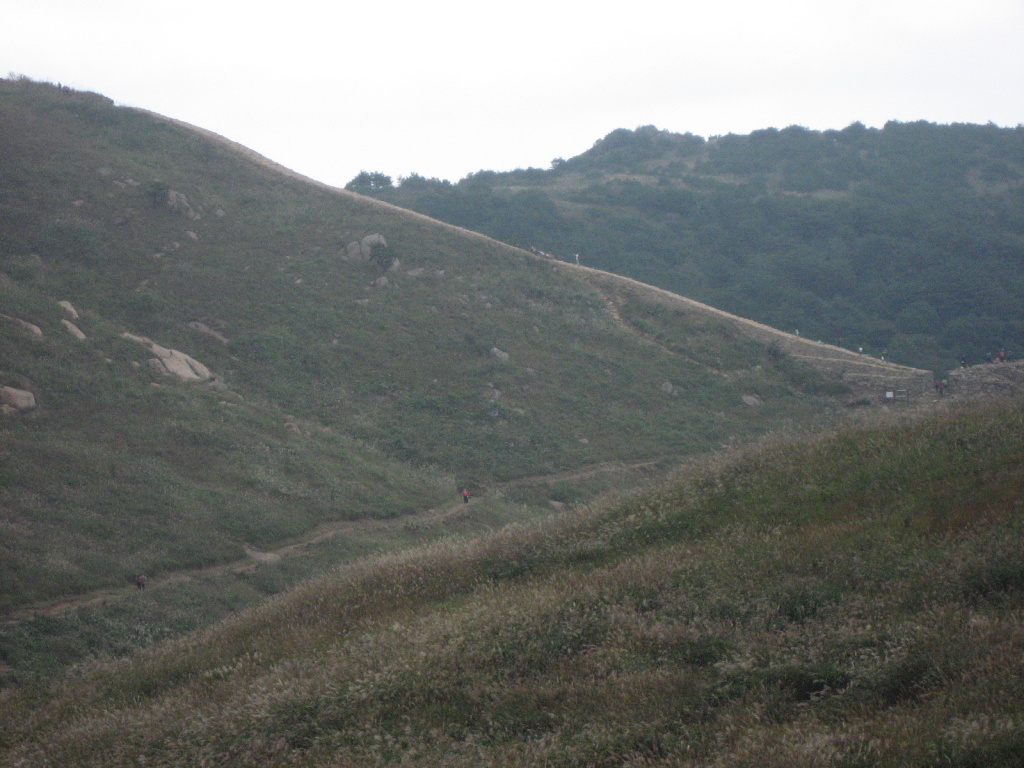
(370, 245)
(14, 400)
(25, 325)
(208, 331)
(73, 329)
(369, 248)
(171, 362)
(178, 202)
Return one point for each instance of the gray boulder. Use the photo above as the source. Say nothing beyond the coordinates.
(372, 244)
(171, 362)
(17, 399)
(208, 331)
(31, 328)
(73, 329)
(176, 201)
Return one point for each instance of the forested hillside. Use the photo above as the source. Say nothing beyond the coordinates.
(907, 240)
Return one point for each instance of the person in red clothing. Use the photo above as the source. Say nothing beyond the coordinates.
(465, 495)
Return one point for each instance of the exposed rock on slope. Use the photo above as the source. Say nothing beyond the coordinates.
(171, 362)
(31, 328)
(73, 329)
(208, 331)
(13, 400)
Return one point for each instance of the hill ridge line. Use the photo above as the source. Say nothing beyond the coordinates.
(265, 162)
(752, 327)
(589, 274)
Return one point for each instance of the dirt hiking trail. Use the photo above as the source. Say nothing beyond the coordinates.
(300, 547)
(254, 557)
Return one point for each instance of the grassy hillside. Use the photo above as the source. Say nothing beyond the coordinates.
(411, 359)
(904, 240)
(850, 600)
(365, 364)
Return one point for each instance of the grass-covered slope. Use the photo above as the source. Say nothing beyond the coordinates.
(344, 387)
(407, 352)
(849, 600)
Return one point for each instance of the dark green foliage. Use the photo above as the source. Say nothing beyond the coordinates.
(999, 579)
(368, 183)
(1001, 751)
(905, 678)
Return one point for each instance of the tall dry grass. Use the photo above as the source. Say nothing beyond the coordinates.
(817, 603)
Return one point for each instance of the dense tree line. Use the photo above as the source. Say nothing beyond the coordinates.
(907, 240)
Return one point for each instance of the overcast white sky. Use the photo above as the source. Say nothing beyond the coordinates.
(449, 87)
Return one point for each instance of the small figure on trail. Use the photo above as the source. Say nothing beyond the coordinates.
(577, 258)
(465, 495)
(140, 582)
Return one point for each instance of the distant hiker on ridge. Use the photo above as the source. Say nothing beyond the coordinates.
(140, 582)
(465, 495)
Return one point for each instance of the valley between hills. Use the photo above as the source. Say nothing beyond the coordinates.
(692, 539)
